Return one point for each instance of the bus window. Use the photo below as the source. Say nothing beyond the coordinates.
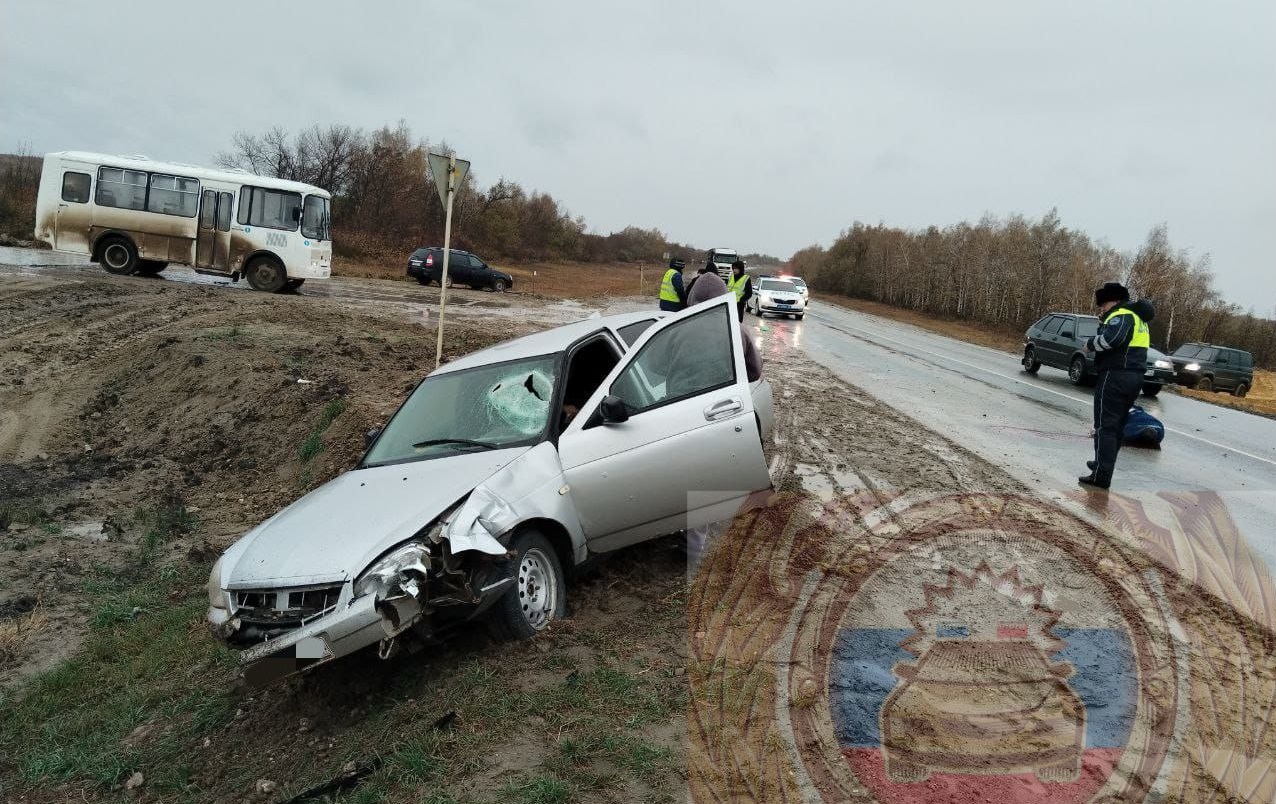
(124, 189)
(315, 219)
(173, 195)
(75, 187)
(273, 209)
(223, 212)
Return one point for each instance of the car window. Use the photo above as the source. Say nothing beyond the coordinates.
(1187, 350)
(1207, 355)
(690, 357)
(1087, 327)
(501, 405)
(1052, 326)
(1247, 360)
(778, 285)
(629, 334)
(1224, 358)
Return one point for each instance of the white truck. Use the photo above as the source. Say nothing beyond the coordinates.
(721, 259)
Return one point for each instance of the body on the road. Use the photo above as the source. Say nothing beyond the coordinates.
(1120, 349)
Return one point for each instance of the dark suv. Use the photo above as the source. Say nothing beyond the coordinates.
(1206, 367)
(426, 266)
(1058, 340)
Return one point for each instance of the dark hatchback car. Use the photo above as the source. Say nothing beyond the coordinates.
(1206, 367)
(1058, 340)
(426, 266)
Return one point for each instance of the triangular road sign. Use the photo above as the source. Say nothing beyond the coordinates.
(440, 165)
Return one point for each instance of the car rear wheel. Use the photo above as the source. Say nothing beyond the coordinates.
(1151, 389)
(1205, 384)
(150, 267)
(448, 282)
(499, 286)
(293, 284)
(1241, 389)
(119, 256)
(1030, 362)
(424, 280)
(539, 594)
(1076, 370)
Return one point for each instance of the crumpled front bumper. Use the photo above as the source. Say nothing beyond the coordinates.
(338, 633)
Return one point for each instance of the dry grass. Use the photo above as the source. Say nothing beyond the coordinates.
(1261, 399)
(559, 280)
(16, 632)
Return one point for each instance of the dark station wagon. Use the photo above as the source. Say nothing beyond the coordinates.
(426, 266)
(1058, 340)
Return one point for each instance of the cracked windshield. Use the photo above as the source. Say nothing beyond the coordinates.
(856, 402)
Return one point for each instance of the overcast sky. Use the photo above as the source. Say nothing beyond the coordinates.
(760, 126)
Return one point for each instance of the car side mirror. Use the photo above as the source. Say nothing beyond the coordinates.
(613, 410)
(370, 436)
(1067, 333)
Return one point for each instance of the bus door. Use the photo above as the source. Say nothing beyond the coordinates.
(212, 245)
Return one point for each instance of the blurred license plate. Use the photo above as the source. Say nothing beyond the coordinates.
(1150, 372)
(288, 660)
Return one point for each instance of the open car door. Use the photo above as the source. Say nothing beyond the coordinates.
(669, 440)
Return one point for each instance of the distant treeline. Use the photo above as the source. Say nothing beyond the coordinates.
(1008, 273)
(385, 202)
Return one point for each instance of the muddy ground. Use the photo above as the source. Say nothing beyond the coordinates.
(144, 425)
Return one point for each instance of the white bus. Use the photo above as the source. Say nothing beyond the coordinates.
(134, 215)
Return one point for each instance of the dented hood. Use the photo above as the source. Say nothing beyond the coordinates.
(332, 533)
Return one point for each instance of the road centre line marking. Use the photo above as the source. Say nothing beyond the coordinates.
(872, 335)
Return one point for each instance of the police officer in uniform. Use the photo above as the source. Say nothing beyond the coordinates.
(672, 295)
(1120, 355)
(739, 284)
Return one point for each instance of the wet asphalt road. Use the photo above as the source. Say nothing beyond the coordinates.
(1037, 427)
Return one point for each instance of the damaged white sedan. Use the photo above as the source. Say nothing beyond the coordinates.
(499, 471)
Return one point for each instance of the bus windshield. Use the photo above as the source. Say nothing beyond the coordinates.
(316, 220)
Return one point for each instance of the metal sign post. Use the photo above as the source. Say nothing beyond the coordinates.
(448, 173)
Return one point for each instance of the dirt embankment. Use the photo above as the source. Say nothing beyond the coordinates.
(114, 393)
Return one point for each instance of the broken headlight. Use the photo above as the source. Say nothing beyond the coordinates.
(395, 567)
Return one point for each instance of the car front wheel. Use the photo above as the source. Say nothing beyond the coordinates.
(1030, 362)
(499, 286)
(539, 593)
(1205, 384)
(1241, 389)
(1151, 389)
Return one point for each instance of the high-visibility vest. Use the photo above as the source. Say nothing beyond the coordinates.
(1141, 338)
(736, 286)
(667, 291)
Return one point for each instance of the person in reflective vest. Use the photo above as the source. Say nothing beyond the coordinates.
(1120, 355)
(739, 284)
(672, 295)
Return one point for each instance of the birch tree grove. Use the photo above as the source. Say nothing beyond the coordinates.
(1008, 273)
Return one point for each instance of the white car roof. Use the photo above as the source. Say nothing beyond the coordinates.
(551, 341)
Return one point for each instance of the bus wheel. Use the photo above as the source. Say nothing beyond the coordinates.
(265, 273)
(119, 256)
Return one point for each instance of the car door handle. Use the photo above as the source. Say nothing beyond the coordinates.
(723, 409)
